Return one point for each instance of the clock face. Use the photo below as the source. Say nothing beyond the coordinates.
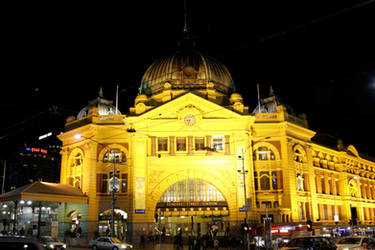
(189, 120)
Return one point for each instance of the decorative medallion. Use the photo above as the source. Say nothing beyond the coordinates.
(190, 120)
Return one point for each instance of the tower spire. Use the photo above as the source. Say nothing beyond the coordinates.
(185, 30)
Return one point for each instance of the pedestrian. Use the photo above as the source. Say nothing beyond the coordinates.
(22, 231)
(205, 243)
(79, 232)
(143, 241)
(216, 244)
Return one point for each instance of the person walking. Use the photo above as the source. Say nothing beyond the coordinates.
(216, 244)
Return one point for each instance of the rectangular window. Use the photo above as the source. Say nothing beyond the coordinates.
(124, 183)
(274, 180)
(218, 142)
(162, 144)
(255, 181)
(104, 183)
(199, 143)
(266, 204)
(181, 144)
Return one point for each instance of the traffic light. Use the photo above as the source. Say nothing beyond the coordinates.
(244, 228)
(309, 225)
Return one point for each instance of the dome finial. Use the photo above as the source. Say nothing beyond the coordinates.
(272, 93)
(101, 92)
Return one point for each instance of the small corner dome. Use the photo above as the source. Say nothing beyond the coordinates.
(235, 97)
(103, 106)
(186, 70)
(141, 98)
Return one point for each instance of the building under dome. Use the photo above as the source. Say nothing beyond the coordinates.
(191, 160)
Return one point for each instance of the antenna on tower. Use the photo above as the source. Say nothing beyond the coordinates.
(185, 23)
(258, 97)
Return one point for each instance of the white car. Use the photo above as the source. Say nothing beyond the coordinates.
(109, 243)
(353, 243)
(49, 242)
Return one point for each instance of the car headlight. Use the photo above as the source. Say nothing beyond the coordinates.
(51, 246)
(64, 246)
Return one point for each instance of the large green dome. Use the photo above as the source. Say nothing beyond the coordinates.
(186, 70)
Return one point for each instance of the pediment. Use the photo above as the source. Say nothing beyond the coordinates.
(190, 104)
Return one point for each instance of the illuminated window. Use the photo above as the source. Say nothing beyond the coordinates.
(181, 143)
(199, 143)
(181, 190)
(124, 183)
(162, 144)
(266, 204)
(274, 180)
(191, 190)
(218, 142)
(264, 154)
(114, 155)
(299, 182)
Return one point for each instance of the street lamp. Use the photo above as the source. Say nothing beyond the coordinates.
(112, 185)
(243, 172)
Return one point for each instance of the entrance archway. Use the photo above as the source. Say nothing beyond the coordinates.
(105, 219)
(75, 221)
(192, 207)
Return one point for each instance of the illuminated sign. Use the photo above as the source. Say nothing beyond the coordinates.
(45, 136)
(287, 228)
(41, 150)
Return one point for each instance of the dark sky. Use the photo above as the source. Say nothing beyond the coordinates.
(318, 56)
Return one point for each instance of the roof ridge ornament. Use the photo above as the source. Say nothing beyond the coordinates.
(101, 92)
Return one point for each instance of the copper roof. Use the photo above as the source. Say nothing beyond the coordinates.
(186, 70)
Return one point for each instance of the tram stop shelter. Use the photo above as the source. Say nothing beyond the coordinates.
(44, 208)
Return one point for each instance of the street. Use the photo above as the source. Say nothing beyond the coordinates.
(149, 247)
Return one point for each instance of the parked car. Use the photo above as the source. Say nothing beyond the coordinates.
(109, 243)
(353, 242)
(309, 242)
(19, 242)
(49, 242)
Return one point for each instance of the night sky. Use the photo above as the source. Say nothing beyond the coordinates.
(318, 56)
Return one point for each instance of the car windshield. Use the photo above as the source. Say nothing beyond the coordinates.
(115, 240)
(349, 241)
(300, 242)
(49, 239)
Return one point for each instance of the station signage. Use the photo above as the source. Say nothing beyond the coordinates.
(282, 229)
(37, 150)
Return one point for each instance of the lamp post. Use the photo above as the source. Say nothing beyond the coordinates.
(243, 172)
(113, 188)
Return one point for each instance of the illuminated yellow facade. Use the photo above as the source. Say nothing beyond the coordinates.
(181, 150)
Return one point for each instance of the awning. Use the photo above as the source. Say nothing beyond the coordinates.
(46, 191)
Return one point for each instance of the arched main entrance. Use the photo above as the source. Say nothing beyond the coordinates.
(75, 220)
(192, 207)
(120, 223)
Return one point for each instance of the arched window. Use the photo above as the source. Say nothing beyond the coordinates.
(77, 160)
(77, 182)
(114, 155)
(191, 190)
(264, 181)
(299, 156)
(263, 154)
